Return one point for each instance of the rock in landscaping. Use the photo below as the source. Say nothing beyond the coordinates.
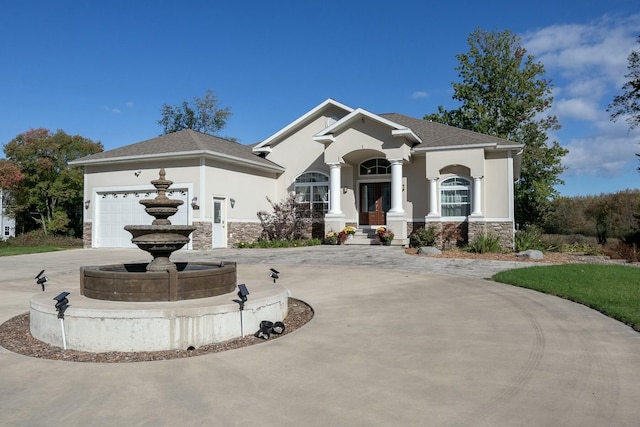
(531, 254)
(429, 250)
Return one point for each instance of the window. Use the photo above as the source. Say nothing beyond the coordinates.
(375, 167)
(6, 231)
(455, 197)
(313, 188)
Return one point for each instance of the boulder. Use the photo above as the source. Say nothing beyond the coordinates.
(531, 254)
(429, 250)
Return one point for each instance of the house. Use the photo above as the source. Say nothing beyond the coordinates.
(351, 166)
(7, 222)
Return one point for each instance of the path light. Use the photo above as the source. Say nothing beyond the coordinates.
(242, 294)
(273, 273)
(266, 328)
(62, 303)
(41, 280)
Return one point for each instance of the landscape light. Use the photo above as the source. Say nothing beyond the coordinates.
(273, 273)
(41, 280)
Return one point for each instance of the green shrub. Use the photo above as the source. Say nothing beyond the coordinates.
(266, 244)
(423, 237)
(529, 238)
(485, 243)
(582, 248)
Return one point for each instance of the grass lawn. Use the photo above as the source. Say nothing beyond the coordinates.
(613, 290)
(22, 250)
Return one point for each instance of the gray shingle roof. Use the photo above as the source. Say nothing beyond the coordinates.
(439, 135)
(184, 142)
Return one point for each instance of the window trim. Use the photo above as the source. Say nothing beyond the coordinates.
(312, 190)
(385, 163)
(468, 188)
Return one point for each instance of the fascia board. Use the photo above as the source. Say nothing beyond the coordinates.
(181, 155)
(301, 120)
(406, 133)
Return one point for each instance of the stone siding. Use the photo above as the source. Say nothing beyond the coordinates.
(202, 236)
(504, 230)
(243, 232)
(87, 228)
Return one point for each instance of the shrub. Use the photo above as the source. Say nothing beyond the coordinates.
(290, 220)
(485, 243)
(266, 244)
(529, 238)
(423, 237)
(451, 233)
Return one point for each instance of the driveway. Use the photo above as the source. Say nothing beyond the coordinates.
(396, 340)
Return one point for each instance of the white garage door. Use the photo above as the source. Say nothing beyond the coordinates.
(114, 210)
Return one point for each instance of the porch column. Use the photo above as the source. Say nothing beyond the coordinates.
(396, 186)
(334, 189)
(477, 196)
(433, 197)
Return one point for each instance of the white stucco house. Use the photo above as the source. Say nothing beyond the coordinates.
(351, 166)
(7, 222)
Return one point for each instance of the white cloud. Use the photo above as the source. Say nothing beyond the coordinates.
(601, 156)
(419, 94)
(587, 64)
(577, 108)
(130, 104)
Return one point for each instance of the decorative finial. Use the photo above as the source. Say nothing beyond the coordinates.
(162, 174)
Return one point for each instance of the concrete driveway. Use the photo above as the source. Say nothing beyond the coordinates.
(396, 340)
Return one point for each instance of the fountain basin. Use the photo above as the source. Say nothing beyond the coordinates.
(98, 326)
(132, 282)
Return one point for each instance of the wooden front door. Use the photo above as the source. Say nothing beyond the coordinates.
(375, 202)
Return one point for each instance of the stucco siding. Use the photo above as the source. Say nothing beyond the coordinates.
(496, 186)
(472, 158)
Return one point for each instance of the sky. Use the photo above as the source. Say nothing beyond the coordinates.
(104, 69)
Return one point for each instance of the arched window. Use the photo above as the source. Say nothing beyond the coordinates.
(313, 188)
(375, 167)
(455, 197)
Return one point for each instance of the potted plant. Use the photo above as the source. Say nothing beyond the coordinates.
(331, 238)
(384, 236)
(350, 231)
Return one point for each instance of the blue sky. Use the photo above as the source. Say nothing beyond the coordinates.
(103, 69)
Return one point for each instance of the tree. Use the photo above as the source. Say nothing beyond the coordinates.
(10, 179)
(290, 220)
(50, 191)
(203, 115)
(628, 104)
(503, 93)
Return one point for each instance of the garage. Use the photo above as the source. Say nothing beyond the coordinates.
(115, 209)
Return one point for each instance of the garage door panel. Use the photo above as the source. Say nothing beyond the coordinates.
(115, 210)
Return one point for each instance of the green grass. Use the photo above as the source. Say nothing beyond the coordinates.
(37, 242)
(22, 250)
(613, 290)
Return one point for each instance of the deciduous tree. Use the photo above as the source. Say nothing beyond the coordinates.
(627, 105)
(50, 190)
(202, 115)
(503, 93)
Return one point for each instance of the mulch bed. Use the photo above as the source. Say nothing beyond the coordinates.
(15, 337)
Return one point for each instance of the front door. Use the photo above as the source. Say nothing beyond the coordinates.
(375, 202)
(219, 229)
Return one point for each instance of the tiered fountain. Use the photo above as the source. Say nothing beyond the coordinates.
(159, 305)
(161, 279)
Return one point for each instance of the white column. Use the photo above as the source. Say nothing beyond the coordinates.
(433, 197)
(396, 186)
(477, 196)
(334, 189)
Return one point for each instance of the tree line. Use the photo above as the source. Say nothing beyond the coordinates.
(612, 215)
